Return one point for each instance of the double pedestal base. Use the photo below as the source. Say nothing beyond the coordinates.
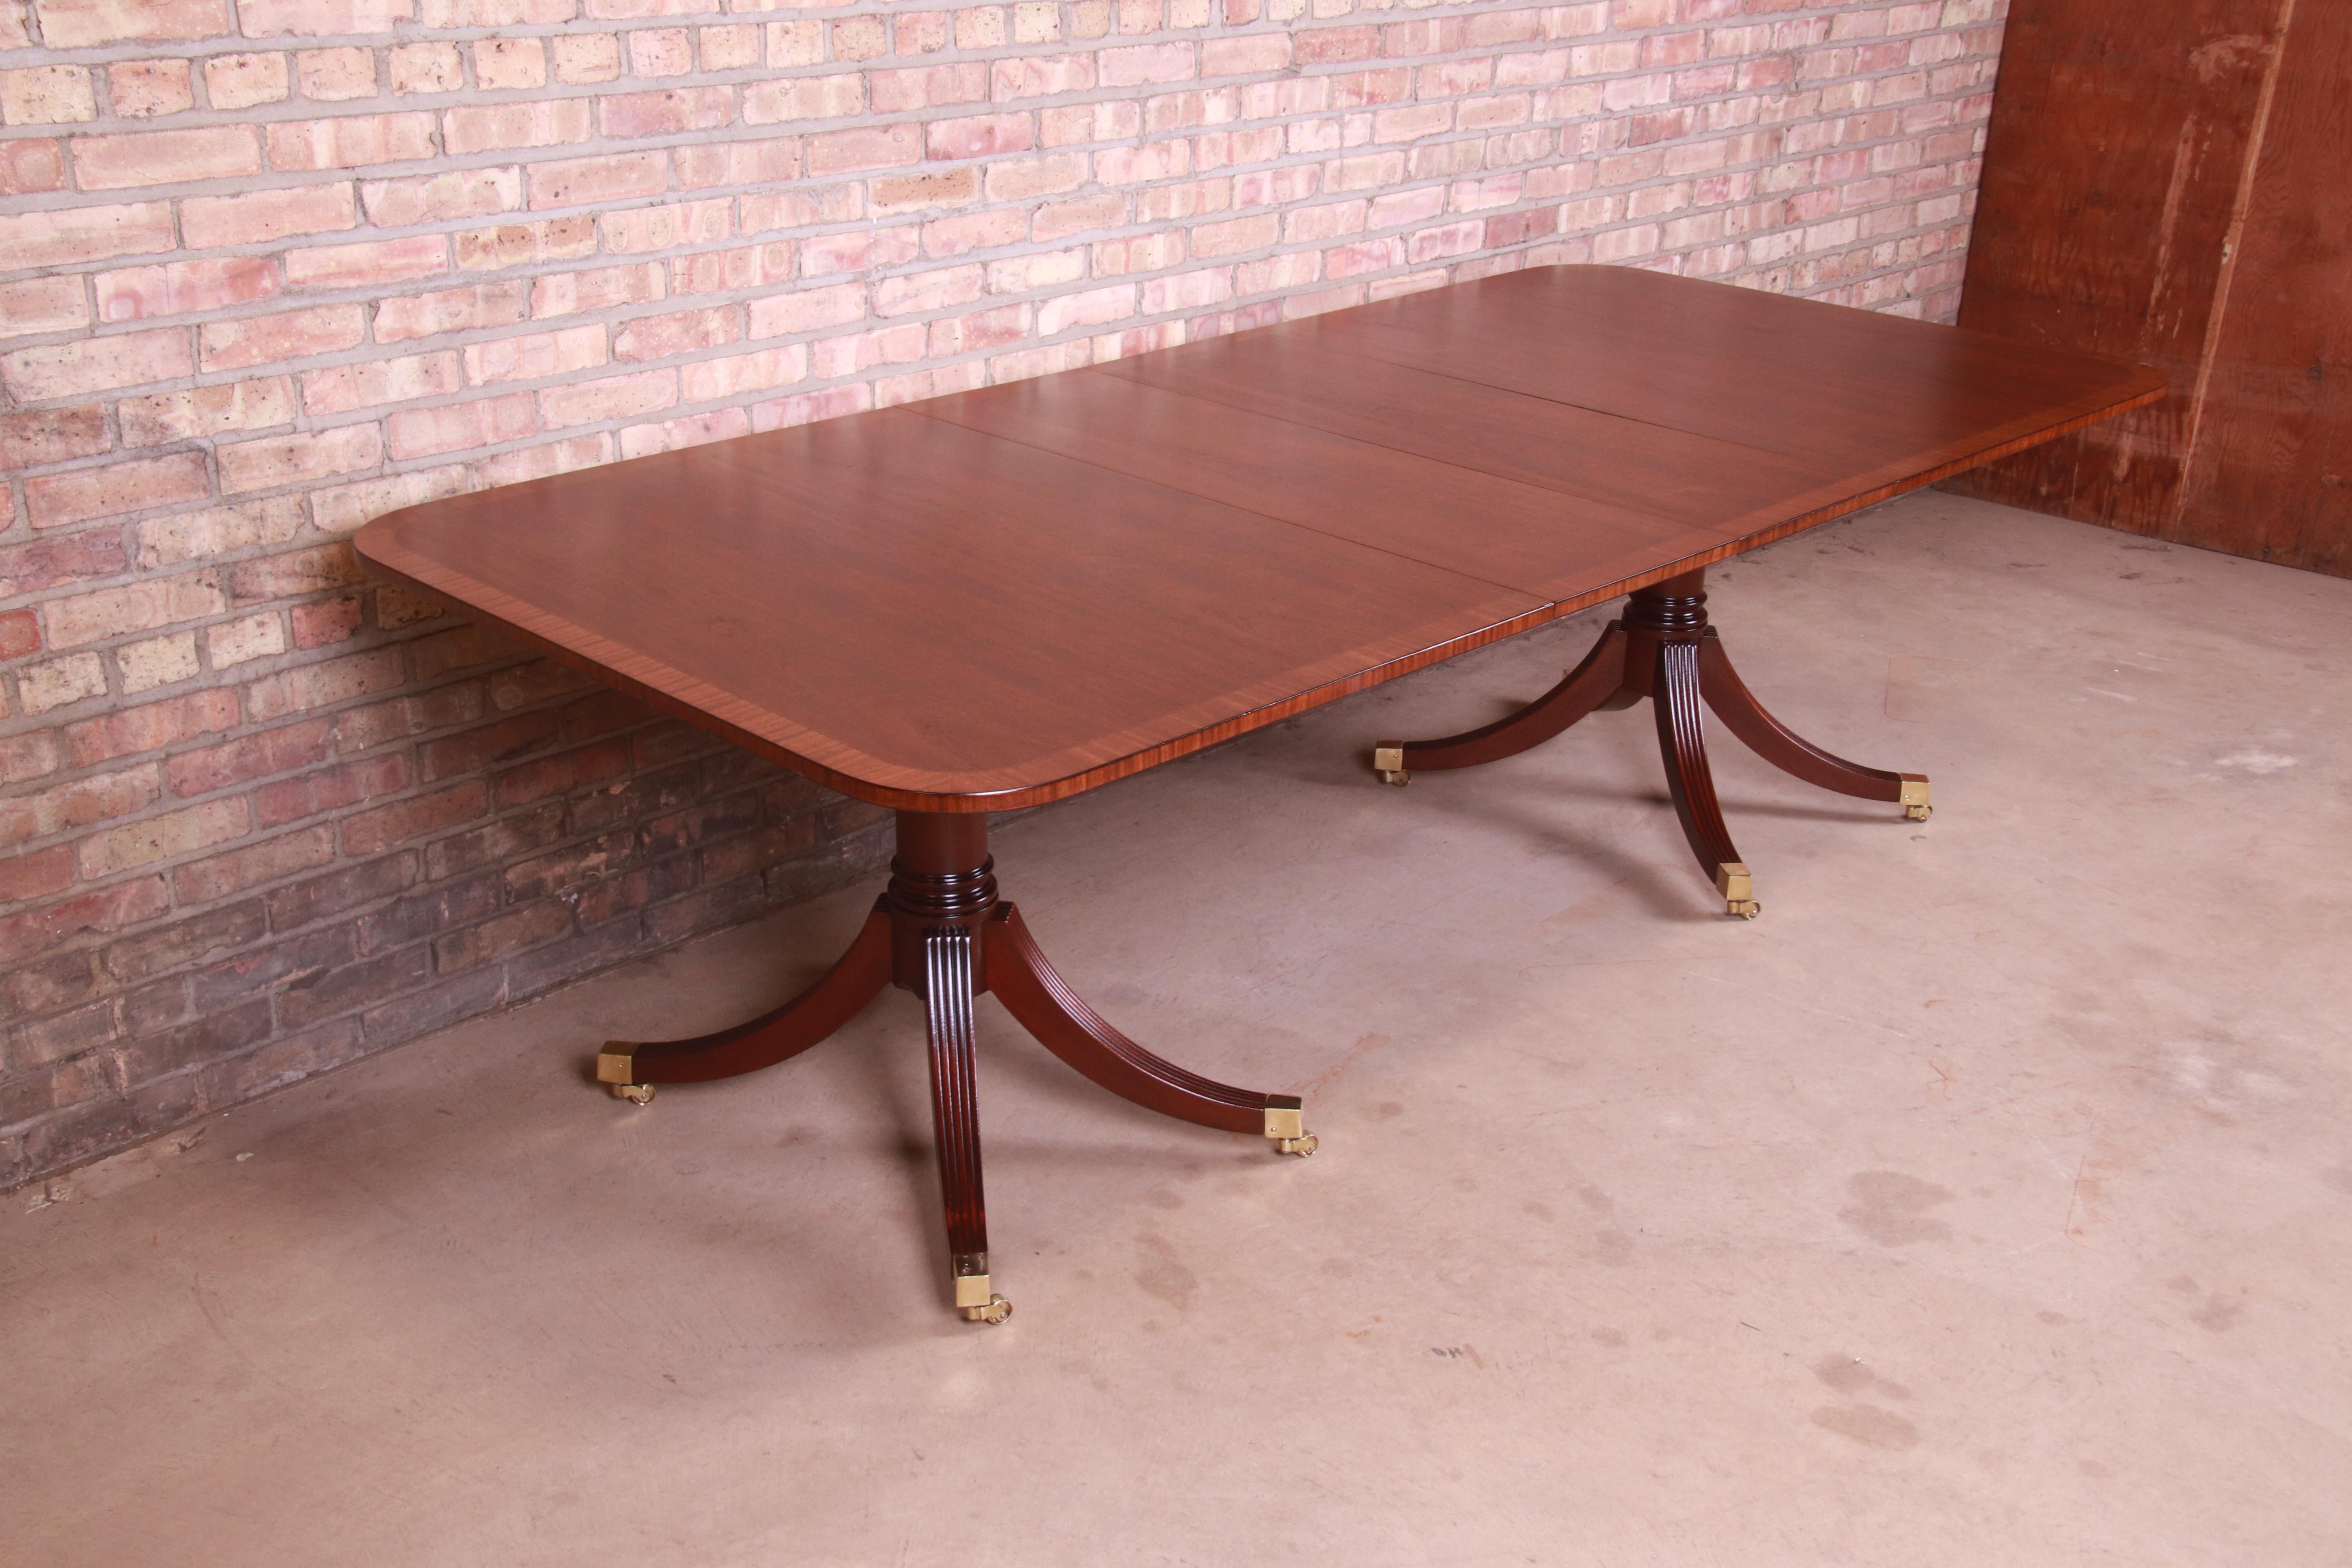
(940, 933)
(1665, 650)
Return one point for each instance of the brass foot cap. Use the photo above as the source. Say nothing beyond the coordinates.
(1389, 762)
(1913, 791)
(1738, 890)
(997, 1310)
(1302, 1147)
(617, 1062)
(642, 1093)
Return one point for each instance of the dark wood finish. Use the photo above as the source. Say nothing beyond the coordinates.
(941, 932)
(2166, 183)
(853, 981)
(1044, 1003)
(1774, 742)
(1008, 597)
(1665, 649)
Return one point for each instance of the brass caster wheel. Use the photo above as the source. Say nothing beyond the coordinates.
(1918, 812)
(1302, 1147)
(640, 1093)
(1398, 777)
(1745, 909)
(1389, 762)
(997, 1310)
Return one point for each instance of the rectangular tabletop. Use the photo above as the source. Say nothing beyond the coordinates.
(1007, 596)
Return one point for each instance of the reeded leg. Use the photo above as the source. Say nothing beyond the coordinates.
(955, 1118)
(632, 1068)
(1676, 700)
(1600, 678)
(1791, 753)
(1042, 1002)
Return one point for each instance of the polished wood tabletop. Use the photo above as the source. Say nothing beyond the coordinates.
(1007, 596)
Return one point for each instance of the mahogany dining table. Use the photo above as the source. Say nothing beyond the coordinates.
(1008, 597)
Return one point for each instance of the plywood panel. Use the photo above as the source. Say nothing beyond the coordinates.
(2118, 146)
(2271, 472)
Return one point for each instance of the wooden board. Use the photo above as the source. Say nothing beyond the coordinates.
(1008, 597)
(2166, 183)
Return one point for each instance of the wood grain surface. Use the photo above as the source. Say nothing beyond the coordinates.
(2166, 183)
(1007, 596)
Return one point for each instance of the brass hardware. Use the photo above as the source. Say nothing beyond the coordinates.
(1389, 762)
(1913, 798)
(1739, 890)
(1918, 812)
(617, 1065)
(1286, 1124)
(973, 1299)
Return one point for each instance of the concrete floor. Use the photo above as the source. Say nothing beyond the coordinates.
(1988, 1201)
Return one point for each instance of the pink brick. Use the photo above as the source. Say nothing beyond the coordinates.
(859, 249)
(435, 198)
(29, 166)
(51, 435)
(150, 727)
(266, 216)
(345, 388)
(165, 157)
(1238, 234)
(486, 127)
(562, 293)
(848, 355)
(667, 113)
(807, 310)
(143, 88)
(980, 136)
(42, 305)
(368, 264)
(609, 176)
(97, 364)
(661, 337)
(535, 354)
(875, 147)
(1144, 63)
(425, 432)
(241, 81)
(803, 97)
(1245, 56)
(92, 24)
(928, 86)
(183, 287)
(732, 376)
(351, 142)
(741, 267)
(452, 310)
(1040, 76)
(322, 18)
(294, 459)
(85, 234)
(667, 228)
(117, 487)
(613, 397)
(927, 290)
(975, 231)
(763, 163)
(145, 606)
(193, 413)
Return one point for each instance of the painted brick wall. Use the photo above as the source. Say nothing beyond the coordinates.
(269, 268)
